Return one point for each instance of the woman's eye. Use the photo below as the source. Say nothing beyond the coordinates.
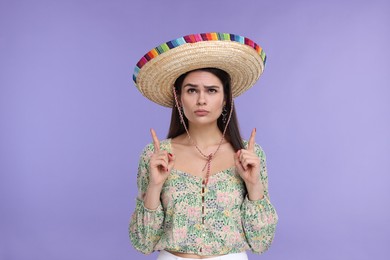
(212, 90)
(191, 90)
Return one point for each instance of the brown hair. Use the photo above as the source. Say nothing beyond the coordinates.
(232, 132)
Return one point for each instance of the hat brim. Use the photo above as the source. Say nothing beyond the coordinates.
(242, 62)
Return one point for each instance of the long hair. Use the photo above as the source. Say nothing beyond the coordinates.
(232, 134)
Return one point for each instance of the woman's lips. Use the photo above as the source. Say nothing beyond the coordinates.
(201, 112)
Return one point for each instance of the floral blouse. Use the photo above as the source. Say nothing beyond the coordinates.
(219, 219)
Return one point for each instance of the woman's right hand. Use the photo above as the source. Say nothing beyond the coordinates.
(161, 163)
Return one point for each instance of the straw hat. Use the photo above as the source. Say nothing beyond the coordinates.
(156, 72)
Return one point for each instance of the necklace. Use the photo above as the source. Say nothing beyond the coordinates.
(211, 155)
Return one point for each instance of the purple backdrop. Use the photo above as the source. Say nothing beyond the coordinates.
(73, 124)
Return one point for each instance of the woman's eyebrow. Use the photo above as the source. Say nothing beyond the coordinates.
(212, 86)
(189, 85)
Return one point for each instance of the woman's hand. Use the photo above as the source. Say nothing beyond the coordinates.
(248, 167)
(161, 163)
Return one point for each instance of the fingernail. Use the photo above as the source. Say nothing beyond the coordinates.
(255, 130)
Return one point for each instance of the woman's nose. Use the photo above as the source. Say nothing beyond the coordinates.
(201, 98)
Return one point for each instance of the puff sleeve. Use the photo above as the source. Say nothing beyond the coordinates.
(259, 217)
(146, 226)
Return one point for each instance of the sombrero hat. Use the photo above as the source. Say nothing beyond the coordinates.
(156, 72)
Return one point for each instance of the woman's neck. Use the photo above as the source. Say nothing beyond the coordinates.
(205, 136)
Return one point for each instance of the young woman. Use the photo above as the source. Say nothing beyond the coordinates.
(203, 192)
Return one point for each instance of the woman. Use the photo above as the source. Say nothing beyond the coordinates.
(203, 192)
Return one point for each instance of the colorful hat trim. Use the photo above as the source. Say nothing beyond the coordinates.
(196, 38)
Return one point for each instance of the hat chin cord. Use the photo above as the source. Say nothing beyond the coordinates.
(211, 155)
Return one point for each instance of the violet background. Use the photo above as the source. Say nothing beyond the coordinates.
(73, 124)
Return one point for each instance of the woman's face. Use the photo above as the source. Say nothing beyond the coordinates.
(202, 97)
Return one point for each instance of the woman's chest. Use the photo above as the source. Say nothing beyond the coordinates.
(197, 164)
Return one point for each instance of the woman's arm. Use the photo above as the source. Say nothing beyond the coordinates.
(258, 214)
(146, 224)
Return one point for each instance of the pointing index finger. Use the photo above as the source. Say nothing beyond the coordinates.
(251, 143)
(156, 142)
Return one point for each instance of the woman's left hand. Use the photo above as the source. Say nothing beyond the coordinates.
(248, 167)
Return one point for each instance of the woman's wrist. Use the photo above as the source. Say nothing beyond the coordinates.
(152, 196)
(255, 191)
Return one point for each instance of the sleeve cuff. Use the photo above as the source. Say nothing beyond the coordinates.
(141, 205)
(262, 204)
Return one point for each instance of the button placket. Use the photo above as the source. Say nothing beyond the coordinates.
(203, 191)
